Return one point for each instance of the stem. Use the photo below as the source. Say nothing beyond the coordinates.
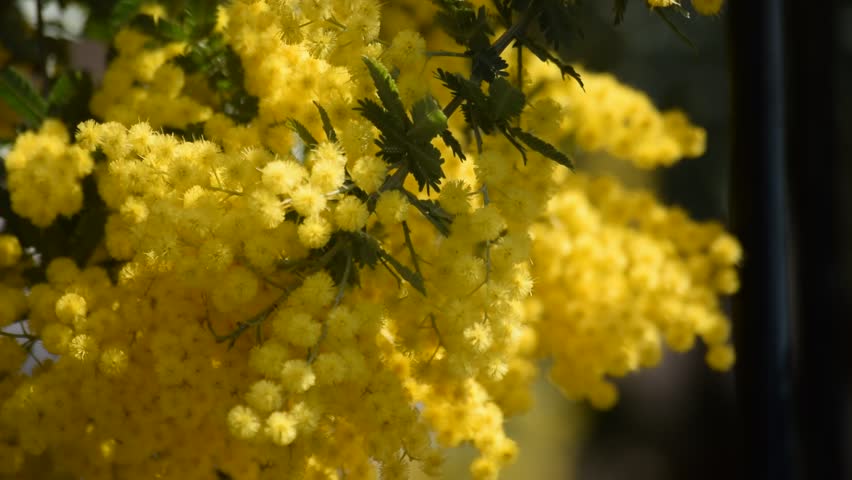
(444, 53)
(42, 54)
(26, 336)
(499, 45)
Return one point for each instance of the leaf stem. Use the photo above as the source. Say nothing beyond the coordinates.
(42, 54)
(511, 33)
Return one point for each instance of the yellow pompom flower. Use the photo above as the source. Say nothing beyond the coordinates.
(56, 337)
(113, 361)
(243, 422)
(83, 348)
(264, 396)
(10, 250)
(707, 7)
(454, 197)
(295, 327)
(314, 232)
(369, 173)
(283, 176)
(350, 214)
(392, 207)
(280, 428)
(297, 376)
(44, 174)
(308, 200)
(69, 307)
(720, 357)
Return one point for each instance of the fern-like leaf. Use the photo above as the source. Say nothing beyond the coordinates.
(387, 90)
(545, 55)
(303, 133)
(22, 97)
(326, 123)
(454, 145)
(122, 12)
(674, 28)
(505, 102)
(542, 147)
(429, 120)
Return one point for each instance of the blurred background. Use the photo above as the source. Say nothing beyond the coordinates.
(680, 420)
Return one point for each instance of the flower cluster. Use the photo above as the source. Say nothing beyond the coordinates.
(44, 174)
(142, 84)
(618, 275)
(607, 116)
(303, 305)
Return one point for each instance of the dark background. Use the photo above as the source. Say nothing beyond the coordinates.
(683, 420)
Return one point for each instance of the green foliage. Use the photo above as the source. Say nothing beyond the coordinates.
(68, 98)
(505, 102)
(429, 119)
(161, 29)
(546, 55)
(22, 97)
(303, 133)
(402, 142)
(557, 22)
(432, 211)
(388, 92)
(326, 123)
(539, 146)
(122, 12)
(661, 12)
(466, 25)
(366, 251)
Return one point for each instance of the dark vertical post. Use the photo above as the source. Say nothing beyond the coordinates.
(814, 185)
(759, 214)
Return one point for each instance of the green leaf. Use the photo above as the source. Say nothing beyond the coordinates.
(674, 28)
(429, 119)
(326, 123)
(303, 133)
(432, 211)
(406, 273)
(545, 55)
(22, 97)
(462, 87)
(542, 147)
(387, 90)
(464, 23)
(558, 22)
(421, 157)
(88, 230)
(161, 28)
(63, 89)
(505, 102)
(122, 12)
(487, 64)
(425, 163)
(380, 117)
(365, 249)
(200, 17)
(455, 146)
(69, 97)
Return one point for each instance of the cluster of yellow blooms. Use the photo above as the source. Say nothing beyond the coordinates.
(607, 116)
(346, 372)
(45, 172)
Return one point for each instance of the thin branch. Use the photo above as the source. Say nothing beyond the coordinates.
(498, 46)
